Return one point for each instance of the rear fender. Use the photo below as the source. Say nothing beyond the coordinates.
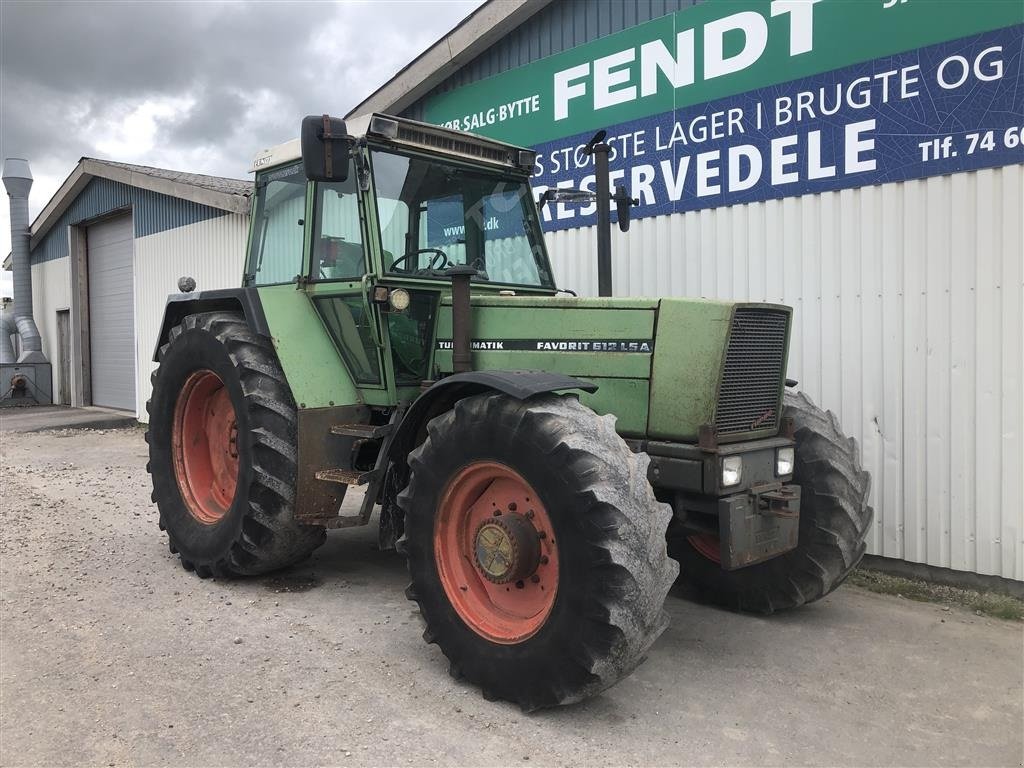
(243, 300)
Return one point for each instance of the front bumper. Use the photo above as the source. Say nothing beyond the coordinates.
(753, 521)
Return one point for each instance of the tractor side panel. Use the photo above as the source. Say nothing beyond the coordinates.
(311, 363)
(606, 341)
(690, 349)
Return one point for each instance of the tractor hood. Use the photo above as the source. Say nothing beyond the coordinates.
(665, 367)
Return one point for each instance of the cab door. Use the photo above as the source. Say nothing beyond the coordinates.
(339, 282)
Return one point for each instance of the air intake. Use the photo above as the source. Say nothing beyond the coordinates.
(752, 377)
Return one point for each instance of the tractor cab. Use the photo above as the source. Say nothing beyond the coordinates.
(369, 223)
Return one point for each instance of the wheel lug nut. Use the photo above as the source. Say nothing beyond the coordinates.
(543, 559)
(535, 578)
(530, 514)
(520, 584)
(511, 506)
(542, 534)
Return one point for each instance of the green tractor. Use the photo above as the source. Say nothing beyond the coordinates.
(545, 462)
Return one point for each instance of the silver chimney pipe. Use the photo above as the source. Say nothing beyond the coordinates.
(17, 180)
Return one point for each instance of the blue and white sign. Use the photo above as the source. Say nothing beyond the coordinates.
(954, 106)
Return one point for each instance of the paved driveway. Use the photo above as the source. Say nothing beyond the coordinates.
(112, 654)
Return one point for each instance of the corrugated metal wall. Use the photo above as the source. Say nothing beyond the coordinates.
(908, 324)
(211, 251)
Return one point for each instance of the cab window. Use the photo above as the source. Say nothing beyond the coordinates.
(338, 252)
(275, 249)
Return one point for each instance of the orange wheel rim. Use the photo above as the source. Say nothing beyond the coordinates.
(496, 554)
(204, 444)
(708, 545)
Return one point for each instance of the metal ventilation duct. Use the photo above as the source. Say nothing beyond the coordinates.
(27, 381)
(17, 180)
(7, 329)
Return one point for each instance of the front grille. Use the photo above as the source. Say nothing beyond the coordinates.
(748, 400)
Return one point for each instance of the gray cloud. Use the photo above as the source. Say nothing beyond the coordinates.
(198, 86)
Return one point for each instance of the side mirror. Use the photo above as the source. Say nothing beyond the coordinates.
(325, 148)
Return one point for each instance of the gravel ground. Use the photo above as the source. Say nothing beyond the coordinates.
(111, 654)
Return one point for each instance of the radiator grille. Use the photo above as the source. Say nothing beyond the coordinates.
(748, 399)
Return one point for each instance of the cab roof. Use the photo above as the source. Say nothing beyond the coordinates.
(401, 131)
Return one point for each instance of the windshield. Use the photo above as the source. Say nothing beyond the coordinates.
(435, 214)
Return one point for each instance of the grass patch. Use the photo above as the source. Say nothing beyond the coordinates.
(986, 603)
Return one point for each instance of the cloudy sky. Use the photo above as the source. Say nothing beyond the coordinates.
(195, 86)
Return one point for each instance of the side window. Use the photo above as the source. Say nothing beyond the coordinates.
(275, 252)
(389, 178)
(338, 252)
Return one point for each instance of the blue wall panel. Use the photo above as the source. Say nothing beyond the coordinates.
(153, 212)
(562, 25)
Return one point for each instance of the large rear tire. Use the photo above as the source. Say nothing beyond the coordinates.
(834, 521)
(536, 548)
(222, 450)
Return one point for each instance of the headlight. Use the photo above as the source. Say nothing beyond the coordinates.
(399, 299)
(784, 461)
(732, 470)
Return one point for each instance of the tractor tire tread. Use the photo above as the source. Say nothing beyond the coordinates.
(624, 529)
(272, 418)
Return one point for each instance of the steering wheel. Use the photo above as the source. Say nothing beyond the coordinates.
(438, 261)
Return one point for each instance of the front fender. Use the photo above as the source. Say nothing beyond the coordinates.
(442, 395)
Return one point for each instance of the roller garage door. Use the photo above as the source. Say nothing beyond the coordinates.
(112, 313)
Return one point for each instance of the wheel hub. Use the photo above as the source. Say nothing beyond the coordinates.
(495, 551)
(506, 548)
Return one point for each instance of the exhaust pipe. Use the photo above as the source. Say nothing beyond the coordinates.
(17, 180)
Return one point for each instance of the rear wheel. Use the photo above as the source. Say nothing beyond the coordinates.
(834, 522)
(536, 548)
(222, 450)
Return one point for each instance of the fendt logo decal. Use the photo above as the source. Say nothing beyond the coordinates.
(765, 418)
(642, 346)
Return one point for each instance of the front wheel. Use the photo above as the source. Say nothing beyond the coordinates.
(536, 548)
(834, 521)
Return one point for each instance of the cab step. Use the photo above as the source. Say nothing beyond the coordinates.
(349, 476)
(363, 431)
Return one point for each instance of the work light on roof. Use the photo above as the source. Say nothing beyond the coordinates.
(383, 126)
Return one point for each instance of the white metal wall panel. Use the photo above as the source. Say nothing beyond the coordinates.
(908, 324)
(211, 251)
(51, 292)
(111, 313)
